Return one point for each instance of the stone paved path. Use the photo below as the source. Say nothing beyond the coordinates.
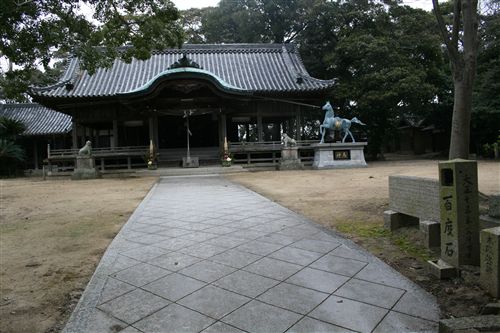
(203, 254)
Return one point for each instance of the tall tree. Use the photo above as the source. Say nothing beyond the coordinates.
(462, 46)
(387, 61)
(253, 21)
(34, 32)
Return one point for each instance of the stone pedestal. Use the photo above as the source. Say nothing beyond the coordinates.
(431, 232)
(290, 159)
(190, 162)
(490, 261)
(394, 220)
(494, 203)
(339, 155)
(85, 168)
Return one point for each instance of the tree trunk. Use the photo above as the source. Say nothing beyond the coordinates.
(463, 65)
(460, 124)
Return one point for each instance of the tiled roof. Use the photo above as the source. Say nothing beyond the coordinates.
(38, 119)
(253, 68)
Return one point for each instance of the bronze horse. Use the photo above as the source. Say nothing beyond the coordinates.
(336, 123)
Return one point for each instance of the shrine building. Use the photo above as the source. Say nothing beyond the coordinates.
(247, 94)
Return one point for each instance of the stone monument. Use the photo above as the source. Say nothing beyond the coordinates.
(289, 154)
(341, 154)
(459, 215)
(85, 164)
(490, 261)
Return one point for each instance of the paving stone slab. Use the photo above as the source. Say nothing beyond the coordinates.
(273, 268)
(114, 288)
(318, 280)
(174, 286)
(295, 255)
(350, 314)
(339, 265)
(315, 245)
(207, 271)
(260, 317)
(144, 253)
(174, 261)
(246, 283)
(398, 322)
(220, 327)
(141, 274)
(134, 305)
(235, 258)
(293, 298)
(258, 247)
(213, 302)
(371, 293)
(174, 318)
(309, 325)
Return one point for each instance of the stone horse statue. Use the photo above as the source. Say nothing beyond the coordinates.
(336, 123)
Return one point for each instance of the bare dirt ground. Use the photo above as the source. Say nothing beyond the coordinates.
(352, 202)
(52, 235)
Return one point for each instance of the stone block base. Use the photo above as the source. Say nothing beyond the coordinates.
(486, 222)
(85, 168)
(490, 261)
(432, 233)
(290, 165)
(491, 309)
(80, 174)
(490, 323)
(441, 269)
(394, 220)
(494, 205)
(190, 162)
(339, 155)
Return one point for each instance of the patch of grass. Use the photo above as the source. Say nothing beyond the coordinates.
(361, 229)
(375, 230)
(410, 248)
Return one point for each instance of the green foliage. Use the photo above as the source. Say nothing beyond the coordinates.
(387, 60)
(35, 32)
(254, 21)
(486, 101)
(11, 153)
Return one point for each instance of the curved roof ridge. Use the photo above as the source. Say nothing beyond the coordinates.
(69, 73)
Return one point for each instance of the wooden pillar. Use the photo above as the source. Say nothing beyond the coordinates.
(223, 127)
(259, 125)
(156, 139)
(74, 134)
(114, 143)
(35, 154)
(298, 123)
(95, 138)
(151, 129)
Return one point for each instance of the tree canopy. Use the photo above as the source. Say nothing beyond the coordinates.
(35, 32)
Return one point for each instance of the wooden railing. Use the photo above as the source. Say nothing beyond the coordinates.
(267, 152)
(98, 152)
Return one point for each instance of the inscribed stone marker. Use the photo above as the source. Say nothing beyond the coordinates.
(490, 261)
(459, 211)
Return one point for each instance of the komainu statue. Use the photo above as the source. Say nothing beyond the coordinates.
(86, 150)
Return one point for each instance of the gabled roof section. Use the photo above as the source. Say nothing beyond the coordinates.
(253, 68)
(38, 119)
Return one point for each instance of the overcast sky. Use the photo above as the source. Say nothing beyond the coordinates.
(186, 4)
